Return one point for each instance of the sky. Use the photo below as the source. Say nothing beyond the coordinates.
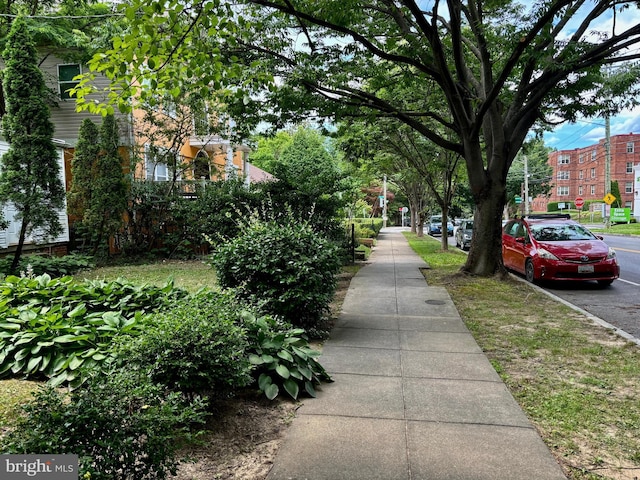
(589, 131)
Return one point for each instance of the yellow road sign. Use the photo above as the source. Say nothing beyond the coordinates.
(609, 199)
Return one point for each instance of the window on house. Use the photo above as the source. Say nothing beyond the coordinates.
(628, 204)
(563, 175)
(629, 167)
(593, 189)
(628, 187)
(593, 154)
(581, 174)
(580, 190)
(629, 147)
(564, 159)
(563, 191)
(581, 158)
(593, 173)
(66, 82)
(157, 163)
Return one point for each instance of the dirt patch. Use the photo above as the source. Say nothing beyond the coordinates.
(246, 432)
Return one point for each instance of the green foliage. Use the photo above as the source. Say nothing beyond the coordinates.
(121, 425)
(54, 266)
(282, 357)
(615, 191)
(195, 346)
(59, 329)
(283, 267)
(366, 227)
(30, 178)
(98, 193)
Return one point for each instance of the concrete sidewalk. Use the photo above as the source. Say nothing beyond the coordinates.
(414, 396)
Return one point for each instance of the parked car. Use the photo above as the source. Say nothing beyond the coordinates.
(554, 247)
(464, 234)
(435, 226)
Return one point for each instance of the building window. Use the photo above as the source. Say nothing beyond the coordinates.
(628, 187)
(628, 204)
(593, 173)
(581, 158)
(202, 167)
(564, 159)
(629, 147)
(581, 174)
(593, 154)
(629, 167)
(563, 175)
(580, 190)
(563, 191)
(593, 189)
(66, 73)
(157, 162)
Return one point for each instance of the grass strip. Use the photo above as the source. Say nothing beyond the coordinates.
(579, 383)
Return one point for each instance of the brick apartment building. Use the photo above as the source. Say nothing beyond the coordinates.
(581, 172)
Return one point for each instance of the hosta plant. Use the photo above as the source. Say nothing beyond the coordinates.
(282, 358)
(57, 328)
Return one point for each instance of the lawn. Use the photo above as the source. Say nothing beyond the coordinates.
(578, 382)
(190, 275)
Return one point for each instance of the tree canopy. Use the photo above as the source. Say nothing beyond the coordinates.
(475, 76)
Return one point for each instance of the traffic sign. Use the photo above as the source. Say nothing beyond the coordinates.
(609, 199)
(517, 199)
(579, 202)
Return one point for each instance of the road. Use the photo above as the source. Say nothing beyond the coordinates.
(618, 304)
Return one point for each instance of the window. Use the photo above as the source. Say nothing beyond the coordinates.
(563, 175)
(629, 147)
(580, 190)
(581, 174)
(66, 73)
(593, 173)
(156, 163)
(202, 167)
(593, 154)
(563, 191)
(564, 159)
(628, 187)
(629, 167)
(628, 204)
(593, 189)
(581, 158)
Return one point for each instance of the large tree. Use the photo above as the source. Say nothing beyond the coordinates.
(30, 175)
(496, 67)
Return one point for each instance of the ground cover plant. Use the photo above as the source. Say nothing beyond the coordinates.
(578, 382)
(57, 328)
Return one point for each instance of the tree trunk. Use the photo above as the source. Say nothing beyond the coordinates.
(444, 236)
(485, 254)
(18, 253)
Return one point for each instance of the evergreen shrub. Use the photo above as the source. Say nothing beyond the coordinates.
(284, 268)
(121, 425)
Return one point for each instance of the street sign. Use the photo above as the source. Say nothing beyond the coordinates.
(609, 199)
(517, 199)
(579, 202)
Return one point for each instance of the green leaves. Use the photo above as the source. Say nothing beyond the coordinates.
(282, 358)
(57, 328)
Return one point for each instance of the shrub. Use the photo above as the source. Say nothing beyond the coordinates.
(196, 346)
(53, 266)
(121, 426)
(283, 267)
(283, 358)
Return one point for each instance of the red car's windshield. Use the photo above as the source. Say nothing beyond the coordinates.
(560, 232)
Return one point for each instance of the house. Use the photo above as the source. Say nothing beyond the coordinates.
(200, 154)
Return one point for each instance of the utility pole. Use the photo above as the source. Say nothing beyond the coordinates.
(607, 161)
(384, 202)
(526, 185)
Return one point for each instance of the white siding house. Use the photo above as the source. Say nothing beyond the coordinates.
(9, 237)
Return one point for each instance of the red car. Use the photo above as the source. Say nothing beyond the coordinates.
(554, 247)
